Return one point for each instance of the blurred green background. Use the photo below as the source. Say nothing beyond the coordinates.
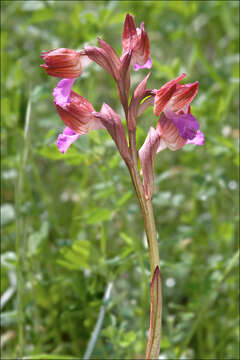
(71, 223)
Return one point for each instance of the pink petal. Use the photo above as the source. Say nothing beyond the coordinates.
(147, 65)
(65, 139)
(186, 124)
(198, 139)
(61, 93)
(169, 133)
(184, 96)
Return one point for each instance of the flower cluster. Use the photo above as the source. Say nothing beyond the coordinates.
(176, 126)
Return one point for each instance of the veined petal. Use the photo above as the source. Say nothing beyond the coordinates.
(170, 135)
(165, 93)
(183, 96)
(147, 65)
(77, 114)
(174, 81)
(198, 139)
(162, 97)
(65, 139)
(104, 57)
(63, 63)
(110, 52)
(61, 93)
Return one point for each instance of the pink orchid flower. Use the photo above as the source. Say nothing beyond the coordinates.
(81, 118)
(176, 126)
(77, 114)
(64, 63)
(136, 39)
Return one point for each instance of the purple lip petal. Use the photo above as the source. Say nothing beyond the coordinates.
(65, 139)
(147, 65)
(186, 124)
(198, 139)
(61, 93)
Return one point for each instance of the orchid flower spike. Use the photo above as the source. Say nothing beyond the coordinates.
(136, 39)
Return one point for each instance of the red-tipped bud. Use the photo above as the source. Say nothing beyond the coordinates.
(137, 40)
(63, 63)
(78, 115)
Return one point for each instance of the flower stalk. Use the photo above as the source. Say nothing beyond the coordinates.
(153, 347)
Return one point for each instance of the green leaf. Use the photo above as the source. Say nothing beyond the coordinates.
(99, 215)
(36, 239)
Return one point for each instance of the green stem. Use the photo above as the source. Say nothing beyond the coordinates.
(146, 206)
(153, 346)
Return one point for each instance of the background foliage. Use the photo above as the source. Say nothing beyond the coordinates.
(71, 224)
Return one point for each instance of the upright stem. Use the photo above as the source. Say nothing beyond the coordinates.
(154, 338)
(145, 204)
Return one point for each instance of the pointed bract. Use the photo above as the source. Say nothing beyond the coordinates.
(147, 155)
(106, 57)
(154, 338)
(112, 122)
(138, 95)
(124, 80)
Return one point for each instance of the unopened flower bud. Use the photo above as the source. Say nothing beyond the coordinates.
(137, 40)
(64, 63)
